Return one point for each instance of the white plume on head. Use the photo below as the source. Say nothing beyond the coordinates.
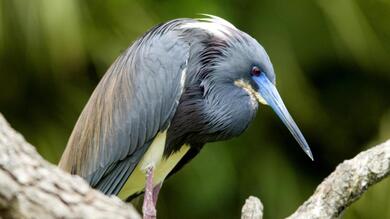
(214, 25)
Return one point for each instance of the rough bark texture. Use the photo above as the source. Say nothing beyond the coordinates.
(252, 209)
(30, 187)
(340, 189)
(347, 183)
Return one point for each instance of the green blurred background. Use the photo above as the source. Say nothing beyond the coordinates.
(332, 59)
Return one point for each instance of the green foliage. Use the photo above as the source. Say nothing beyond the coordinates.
(330, 57)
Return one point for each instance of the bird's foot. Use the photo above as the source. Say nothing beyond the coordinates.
(156, 190)
(149, 212)
(148, 207)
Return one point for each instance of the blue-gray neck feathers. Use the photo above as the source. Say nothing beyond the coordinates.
(212, 107)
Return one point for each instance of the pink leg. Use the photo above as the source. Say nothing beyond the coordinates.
(148, 208)
(156, 190)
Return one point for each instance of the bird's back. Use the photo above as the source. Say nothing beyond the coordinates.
(134, 101)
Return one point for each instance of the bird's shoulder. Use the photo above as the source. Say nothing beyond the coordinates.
(133, 102)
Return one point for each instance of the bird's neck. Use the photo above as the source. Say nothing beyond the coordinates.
(231, 110)
(207, 117)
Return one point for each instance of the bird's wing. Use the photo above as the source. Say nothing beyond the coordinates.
(134, 101)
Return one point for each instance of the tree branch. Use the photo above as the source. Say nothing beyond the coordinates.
(343, 187)
(347, 184)
(30, 187)
(252, 209)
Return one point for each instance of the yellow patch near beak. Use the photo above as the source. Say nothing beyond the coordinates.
(252, 93)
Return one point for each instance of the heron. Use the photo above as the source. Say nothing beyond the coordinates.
(182, 84)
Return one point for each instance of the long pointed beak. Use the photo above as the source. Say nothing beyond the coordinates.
(271, 96)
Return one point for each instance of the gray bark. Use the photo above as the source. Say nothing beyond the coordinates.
(252, 209)
(347, 184)
(341, 188)
(30, 187)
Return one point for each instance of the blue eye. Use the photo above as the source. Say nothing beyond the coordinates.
(255, 71)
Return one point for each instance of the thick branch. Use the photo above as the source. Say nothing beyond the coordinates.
(347, 183)
(341, 188)
(30, 187)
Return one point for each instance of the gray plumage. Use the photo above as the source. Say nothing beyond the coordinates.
(135, 99)
(179, 76)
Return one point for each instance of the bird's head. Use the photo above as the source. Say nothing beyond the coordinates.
(234, 57)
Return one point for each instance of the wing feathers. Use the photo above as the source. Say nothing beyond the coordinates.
(135, 99)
